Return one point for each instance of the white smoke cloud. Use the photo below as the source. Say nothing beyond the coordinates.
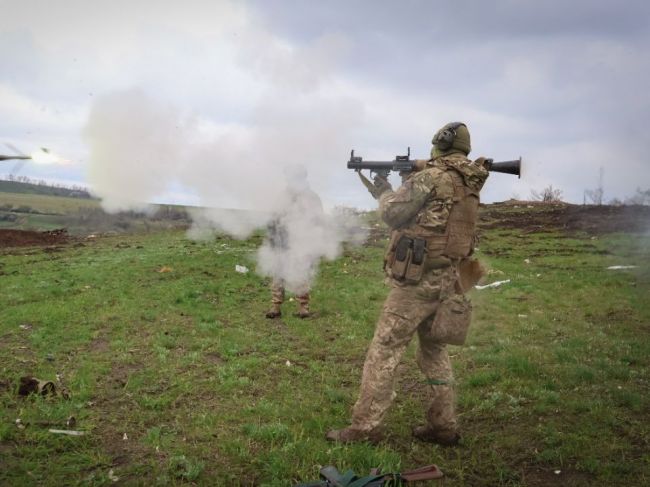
(141, 146)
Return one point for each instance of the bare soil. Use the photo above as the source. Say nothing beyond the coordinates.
(541, 217)
(28, 238)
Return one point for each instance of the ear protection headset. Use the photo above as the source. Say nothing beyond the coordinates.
(444, 138)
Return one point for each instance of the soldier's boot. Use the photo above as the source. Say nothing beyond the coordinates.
(303, 306)
(352, 435)
(274, 311)
(441, 437)
(277, 298)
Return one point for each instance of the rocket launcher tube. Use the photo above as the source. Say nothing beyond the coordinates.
(406, 164)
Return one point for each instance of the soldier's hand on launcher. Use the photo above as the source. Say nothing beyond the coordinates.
(418, 166)
(481, 161)
(376, 187)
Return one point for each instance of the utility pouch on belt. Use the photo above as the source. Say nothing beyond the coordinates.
(451, 323)
(416, 266)
(409, 258)
(403, 255)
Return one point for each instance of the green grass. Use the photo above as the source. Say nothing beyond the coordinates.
(81, 216)
(554, 376)
(48, 204)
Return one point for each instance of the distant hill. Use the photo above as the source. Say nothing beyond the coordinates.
(42, 189)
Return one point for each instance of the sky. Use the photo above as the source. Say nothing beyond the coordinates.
(561, 84)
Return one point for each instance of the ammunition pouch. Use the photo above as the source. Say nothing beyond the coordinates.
(406, 258)
(452, 320)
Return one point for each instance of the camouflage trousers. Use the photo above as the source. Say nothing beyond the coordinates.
(409, 309)
(278, 294)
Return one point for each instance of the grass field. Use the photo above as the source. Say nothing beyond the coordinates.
(81, 216)
(177, 378)
(52, 205)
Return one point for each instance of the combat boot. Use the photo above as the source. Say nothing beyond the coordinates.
(274, 311)
(352, 435)
(432, 435)
(303, 310)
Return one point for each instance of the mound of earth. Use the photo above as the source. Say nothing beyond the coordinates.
(591, 219)
(28, 238)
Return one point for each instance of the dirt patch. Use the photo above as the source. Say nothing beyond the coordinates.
(541, 217)
(540, 477)
(5, 385)
(214, 358)
(531, 217)
(28, 238)
(100, 345)
(112, 402)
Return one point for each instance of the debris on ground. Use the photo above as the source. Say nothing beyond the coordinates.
(32, 385)
(493, 284)
(619, 267)
(165, 269)
(67, 432)
(241, 269)
(330, 476)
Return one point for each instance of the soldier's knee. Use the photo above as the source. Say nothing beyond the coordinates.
(394, 329)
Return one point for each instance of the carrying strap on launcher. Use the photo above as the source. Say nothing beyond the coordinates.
(331, 477)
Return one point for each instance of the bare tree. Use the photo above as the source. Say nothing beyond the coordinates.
(597, 195)
(547, 195)
(640, 198)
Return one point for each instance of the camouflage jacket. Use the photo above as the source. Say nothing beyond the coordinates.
(422, 204)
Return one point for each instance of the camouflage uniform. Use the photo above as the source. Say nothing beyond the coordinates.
(429, 206)
(278, 295)
(301, 201)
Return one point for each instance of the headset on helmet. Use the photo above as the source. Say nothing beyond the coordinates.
(444, 138)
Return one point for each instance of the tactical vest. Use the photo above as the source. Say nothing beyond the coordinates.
(454, 238)
(459, 236)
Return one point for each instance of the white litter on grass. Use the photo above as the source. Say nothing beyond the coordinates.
(522, 316)
(125, 437)
(241, 269)
(619, 267)
(68, 432)
(526, 261)
(557, 472)
(288, 363)
(494, 284)
(112, 476)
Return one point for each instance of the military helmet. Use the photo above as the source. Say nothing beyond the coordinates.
(453, 137)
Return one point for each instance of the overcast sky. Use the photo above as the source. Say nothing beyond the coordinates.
(564, 84)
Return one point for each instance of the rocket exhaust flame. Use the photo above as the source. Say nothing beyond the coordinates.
(41, 156)
(44, 156)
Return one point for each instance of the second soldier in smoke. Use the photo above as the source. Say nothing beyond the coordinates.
(287, 246)
(432, 217)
